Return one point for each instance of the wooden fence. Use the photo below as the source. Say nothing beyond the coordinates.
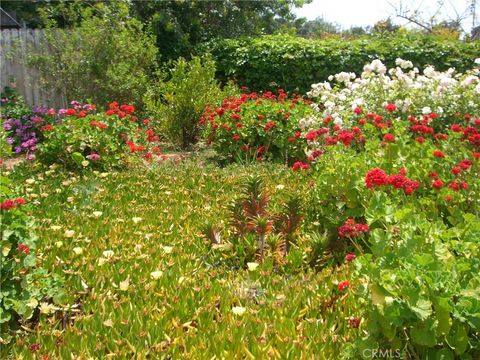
(14, 47)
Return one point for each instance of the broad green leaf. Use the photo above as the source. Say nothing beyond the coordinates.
(423, 333)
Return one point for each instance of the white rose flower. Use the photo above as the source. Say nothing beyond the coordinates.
(426, 110)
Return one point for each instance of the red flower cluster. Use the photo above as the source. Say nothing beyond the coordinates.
(376, 177)
(343, 285)
(390, 107)
(388, 138)
(350, 257)
(458, 185)
(351, 229)
(11, 203)
(121, 111)
(270, 125)
(23, 248)
(300, 166)
(98, 124)
(400, 181)
(135, 148)
(46, 128)
(437, 184)
(439, 154)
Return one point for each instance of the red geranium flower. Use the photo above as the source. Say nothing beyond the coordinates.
(437, 184)
(23, 248)
(456, 170)
(351, 228)
(376, 177)
(350, 257)
(390, 107)
(343, 285)
(389, 138)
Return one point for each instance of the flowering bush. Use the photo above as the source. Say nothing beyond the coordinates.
(400, 189)
(98, 140)
(21, 124)
(441, 97)
(24, 285)
(258, 127)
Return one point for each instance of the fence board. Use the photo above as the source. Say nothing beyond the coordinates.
(25, 79)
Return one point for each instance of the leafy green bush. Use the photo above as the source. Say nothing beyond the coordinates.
(295, 63)
(178, 102)
(107, 56)
(257, 127)
(23, 285)
(420, 287)
(96, 140)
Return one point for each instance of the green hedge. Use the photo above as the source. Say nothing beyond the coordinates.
(294, 63)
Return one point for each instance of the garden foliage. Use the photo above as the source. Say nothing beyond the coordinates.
(25, 287)
(85, 137)
(294, 63)
(178, 100)
(106, 56)
(253, 127)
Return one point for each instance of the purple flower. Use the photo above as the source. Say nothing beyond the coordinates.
(18, 149)
(9, 141)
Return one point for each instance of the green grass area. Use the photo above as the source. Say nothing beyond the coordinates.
(164, 292)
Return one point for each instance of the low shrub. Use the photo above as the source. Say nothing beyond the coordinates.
(26, 289)
(252, 126)
(419, 286)
(99, 140)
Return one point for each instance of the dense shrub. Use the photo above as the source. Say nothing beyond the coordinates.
(100, 140)
(106, 56)
(178, 101)
(295, 63)
(258, 127)
(24, 286)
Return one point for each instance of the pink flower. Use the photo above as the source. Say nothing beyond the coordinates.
(350, 257)
(94, 157)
